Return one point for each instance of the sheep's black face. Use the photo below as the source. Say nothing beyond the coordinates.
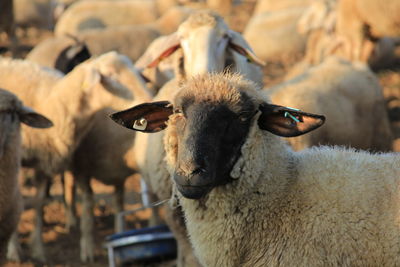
(209, 140)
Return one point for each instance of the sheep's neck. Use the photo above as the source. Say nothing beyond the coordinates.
(251, 200)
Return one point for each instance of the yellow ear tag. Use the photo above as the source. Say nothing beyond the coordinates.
(140, 124)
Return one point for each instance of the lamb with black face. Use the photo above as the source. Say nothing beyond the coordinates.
(209, 140)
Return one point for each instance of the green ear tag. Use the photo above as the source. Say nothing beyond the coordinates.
(287, 114)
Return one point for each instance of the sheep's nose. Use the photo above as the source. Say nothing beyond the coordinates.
(190, 169)
(198, 171)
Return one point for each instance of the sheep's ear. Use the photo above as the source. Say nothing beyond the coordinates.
(31, 118)
(94, 76)
(160, 49)
(239, 44)
(147, 117)
(72, 56)
(287, 122)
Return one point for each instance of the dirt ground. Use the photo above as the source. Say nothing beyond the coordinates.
(62, 247)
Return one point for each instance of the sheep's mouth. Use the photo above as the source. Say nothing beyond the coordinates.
(194, 191)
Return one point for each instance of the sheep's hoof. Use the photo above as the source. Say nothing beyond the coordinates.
(87, 250)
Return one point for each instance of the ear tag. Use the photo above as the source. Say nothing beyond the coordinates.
(140, 124)
(287, 114)
(295, 109)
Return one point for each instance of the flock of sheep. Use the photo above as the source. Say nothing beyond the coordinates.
(208, 129)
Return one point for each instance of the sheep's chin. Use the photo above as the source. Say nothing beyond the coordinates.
(193, 192)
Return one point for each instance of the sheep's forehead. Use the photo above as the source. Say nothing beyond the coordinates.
(202, 19)
(218, 89)
(8, 101)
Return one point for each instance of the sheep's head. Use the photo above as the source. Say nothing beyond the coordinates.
(110, 72)
(207, 44)
(207, 124)
(12, 112)
(72, 56)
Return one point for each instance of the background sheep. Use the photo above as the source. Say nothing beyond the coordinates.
(130, 40)
(360, 23)
(274, 36)
(114, 161)
(249, 200)
(273, 6)
(84, 15)
(68, 107)
(318, 23)
(207, 45)
(345, 93)
(61, 53)
(12, 114)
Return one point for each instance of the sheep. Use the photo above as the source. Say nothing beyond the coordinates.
(279, 30)
(361, 23)
(68, 106)
(61, 53)
(131, 40)
(345, 92)
(12, 113)
(319, 24)
(249, 200)
(207, 45)
(114, 160)
(85, 15)
(276, 6)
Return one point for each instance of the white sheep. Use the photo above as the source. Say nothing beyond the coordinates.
(249, 200)
(71, 101)
(12, 113)
(344, 92)
(361, 22)
(207, 45)
(318, 23)
(84, 15)
(62, 53)
(274, 36)
(114, 161)
(276, 6)
(130, 40)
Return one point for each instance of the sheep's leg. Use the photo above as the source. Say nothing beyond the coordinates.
(69, 200)
(118, 205)
(14, 250)
(87, 219)
(36, 241)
